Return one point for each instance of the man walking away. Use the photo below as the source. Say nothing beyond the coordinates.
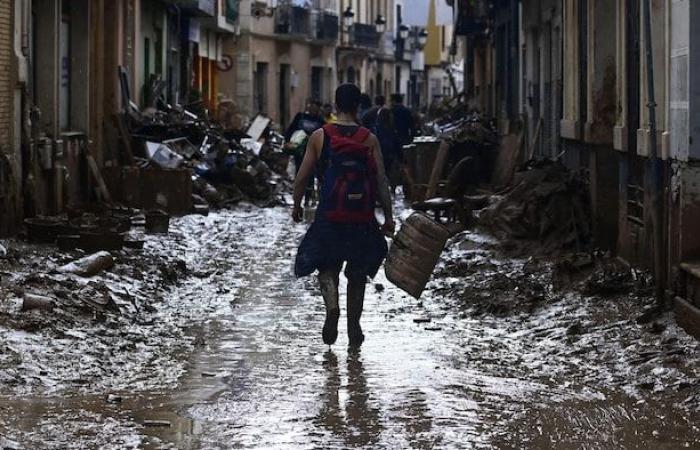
(345, 230)
(392, 149)
(365, 105)
(297, 136)
(403, 120)
(369, 119)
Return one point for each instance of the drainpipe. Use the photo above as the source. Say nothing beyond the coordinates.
(654, 162)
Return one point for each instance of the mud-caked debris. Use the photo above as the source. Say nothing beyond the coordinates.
(90, 265)
(32, 302)
(544, 211)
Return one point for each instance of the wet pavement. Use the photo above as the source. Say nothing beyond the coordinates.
(249, 369)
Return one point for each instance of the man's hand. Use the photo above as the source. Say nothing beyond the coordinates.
(389, 228)
(298, 213)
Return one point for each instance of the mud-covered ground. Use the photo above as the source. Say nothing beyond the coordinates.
(207, 341)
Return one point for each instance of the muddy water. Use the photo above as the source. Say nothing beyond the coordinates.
(258, 375)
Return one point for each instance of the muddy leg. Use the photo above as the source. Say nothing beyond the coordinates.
(356, 299)
(328, 279)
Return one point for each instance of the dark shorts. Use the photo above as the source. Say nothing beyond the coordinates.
(327, 245)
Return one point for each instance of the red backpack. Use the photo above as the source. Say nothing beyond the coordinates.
(349, 185)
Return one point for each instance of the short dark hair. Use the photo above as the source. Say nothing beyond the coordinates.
(380, 100)
(314, 102)
(347, 98)
(397, 98)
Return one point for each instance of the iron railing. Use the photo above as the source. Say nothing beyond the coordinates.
(292, 19)
(364, 35)
(200, 8)
(326, 27)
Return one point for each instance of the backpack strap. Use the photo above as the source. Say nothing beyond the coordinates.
(331, 130)
(361, 135)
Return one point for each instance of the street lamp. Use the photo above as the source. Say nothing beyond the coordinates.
(348, 16)
(403, 32)
(380, 23)
(422, 38)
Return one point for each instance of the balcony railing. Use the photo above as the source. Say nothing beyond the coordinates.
(293, 20)
(200, 8)
(364, 35)
(327, 27)
(472, 16)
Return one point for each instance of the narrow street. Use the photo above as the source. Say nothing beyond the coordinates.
(252, 371)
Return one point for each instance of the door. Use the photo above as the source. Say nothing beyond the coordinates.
(634, 173)
(261, 87)
(284, 88)
(317, 83)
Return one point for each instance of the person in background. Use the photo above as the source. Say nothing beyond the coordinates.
(403, 120)
(328, 114)
(369, 119)
(297, 135)
(345, 229)
(392, 149)
(365, 105)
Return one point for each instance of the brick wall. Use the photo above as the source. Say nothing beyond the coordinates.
(9, 200)
(6, 103)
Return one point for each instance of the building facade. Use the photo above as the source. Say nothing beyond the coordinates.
(10, 158)
(582, 97)
(284, 56)
(60, 87)
(442, 79)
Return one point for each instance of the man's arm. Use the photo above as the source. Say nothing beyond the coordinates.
(382, 185)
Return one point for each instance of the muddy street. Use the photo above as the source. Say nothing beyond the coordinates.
(232, 357)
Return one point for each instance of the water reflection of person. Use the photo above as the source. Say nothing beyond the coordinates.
(359, 424)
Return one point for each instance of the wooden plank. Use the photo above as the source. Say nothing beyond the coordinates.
(125, 138)
(535, 140)
(438, 168)
(687, 316)
(509, 155)
(101, 186)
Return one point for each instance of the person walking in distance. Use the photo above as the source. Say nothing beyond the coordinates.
(369, 119)
(297, 136)
(345, 229)
(392, 150)
(403, 120)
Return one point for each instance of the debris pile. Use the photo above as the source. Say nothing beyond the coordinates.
(543, 211)
(106, 229)
(227, 164)
(452, 119)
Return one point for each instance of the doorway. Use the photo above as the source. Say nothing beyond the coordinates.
(284, 88)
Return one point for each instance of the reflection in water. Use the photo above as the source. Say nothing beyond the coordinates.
(418, 422)
(349, 412)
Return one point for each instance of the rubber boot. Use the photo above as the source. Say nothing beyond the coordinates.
(329, 290)
(356, 299)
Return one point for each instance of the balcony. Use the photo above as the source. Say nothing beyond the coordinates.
(326, 26)
(197, 8)
(364, 35)
(472, 17)
(292, 20)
